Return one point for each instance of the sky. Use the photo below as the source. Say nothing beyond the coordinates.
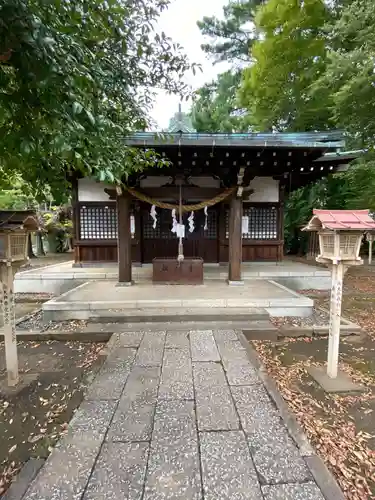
(180, 23)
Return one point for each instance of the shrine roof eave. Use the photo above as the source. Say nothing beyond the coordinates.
(305, 140)
(18, 219)
(341, 156)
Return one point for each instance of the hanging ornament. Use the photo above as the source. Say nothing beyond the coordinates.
(191, 222)
(205, 219)
(174, 221)
(154, 214)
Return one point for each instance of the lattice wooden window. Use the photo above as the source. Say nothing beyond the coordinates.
(98, 222)
(263, 223)
(211, 232)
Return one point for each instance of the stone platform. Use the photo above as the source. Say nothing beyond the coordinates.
(62, 277)
(180, 416)
(150, 302)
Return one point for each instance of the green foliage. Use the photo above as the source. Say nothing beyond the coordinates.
(350, 190)
(215, 107)
(289, 56)
(349, 76)
(310, 67)
(329, 193)
(75, 77)
(231, 38)
(15, 194)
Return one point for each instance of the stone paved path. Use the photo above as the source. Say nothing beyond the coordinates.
(176, 416)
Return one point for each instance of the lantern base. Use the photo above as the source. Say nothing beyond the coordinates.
(342, 383)
(26, 380)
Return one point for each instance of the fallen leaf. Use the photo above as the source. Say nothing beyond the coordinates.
(34, 439)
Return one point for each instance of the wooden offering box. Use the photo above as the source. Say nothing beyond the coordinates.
(170, 271)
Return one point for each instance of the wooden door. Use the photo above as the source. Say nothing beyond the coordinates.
(160, 242)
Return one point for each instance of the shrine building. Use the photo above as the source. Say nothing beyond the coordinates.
(222, 198)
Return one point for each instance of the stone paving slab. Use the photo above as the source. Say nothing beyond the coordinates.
(108, 385)
(222, 336)
(150, 352)
(185, 415)
(255, 408)
(173, 469)
(207, 375)
(276, 457)
(214, 403)
(92, 417)
(134, 415)
(239, 370)
(215, 410)
(241, 373)
(176, 378)
(227, 468)
(66, 472)
(119, 360)
(119, 472)
(177, 340)
(203, 346)
(304, 491)
(130, 339)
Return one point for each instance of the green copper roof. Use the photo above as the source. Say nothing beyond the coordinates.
(180, 123)
(308, 140)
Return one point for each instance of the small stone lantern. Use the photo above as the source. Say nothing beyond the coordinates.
(14, 229)
(340, 237)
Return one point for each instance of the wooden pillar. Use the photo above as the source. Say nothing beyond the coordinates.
(124, 239)
(235, 241)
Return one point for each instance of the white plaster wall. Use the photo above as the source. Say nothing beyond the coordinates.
(265, 189)
(91, 190)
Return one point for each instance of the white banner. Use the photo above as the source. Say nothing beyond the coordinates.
(180, 231)
(245, 224)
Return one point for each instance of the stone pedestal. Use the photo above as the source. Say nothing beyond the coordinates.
(341, 383)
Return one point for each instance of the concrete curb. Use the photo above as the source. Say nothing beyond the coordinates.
(317, 331)
(62, 335)
(347, 328)
(320, 472)
(27, 474)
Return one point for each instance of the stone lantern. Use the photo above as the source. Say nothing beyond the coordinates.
(340, 237)
(14, 229)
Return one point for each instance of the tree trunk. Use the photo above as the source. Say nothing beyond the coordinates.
(30, 252)
(39, 244)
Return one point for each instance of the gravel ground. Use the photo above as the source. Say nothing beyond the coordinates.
(318, 318)
(35, 322)
(33, 297)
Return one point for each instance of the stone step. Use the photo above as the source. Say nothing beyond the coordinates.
(250, 325)
(177, 315)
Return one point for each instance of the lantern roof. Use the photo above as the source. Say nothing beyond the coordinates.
(11, 220)
(345, 220)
